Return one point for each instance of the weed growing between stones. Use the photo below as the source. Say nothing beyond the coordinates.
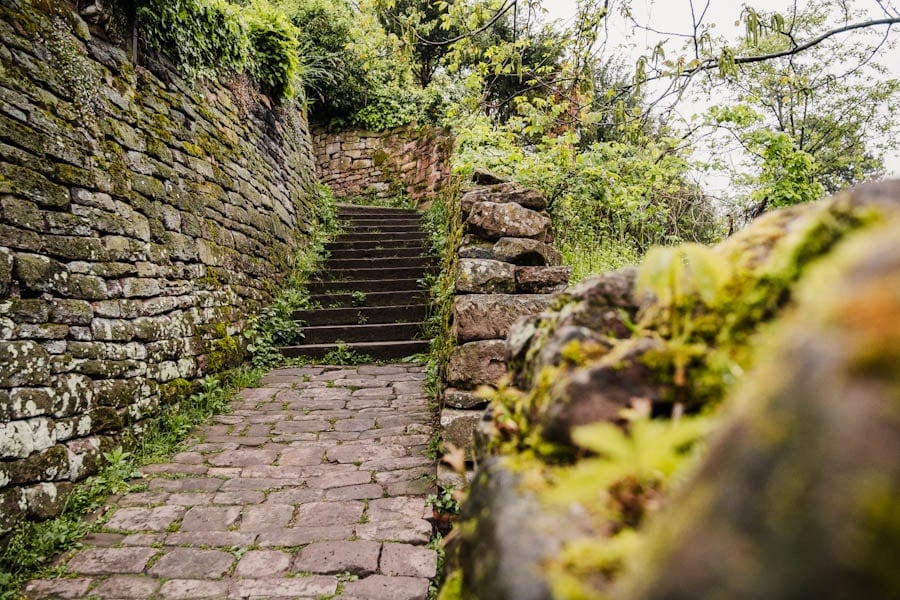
(29, 549)
(275, 325)
(443, 224)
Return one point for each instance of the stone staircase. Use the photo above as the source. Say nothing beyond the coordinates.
(370, 296)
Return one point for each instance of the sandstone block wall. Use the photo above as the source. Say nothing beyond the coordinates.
(411, 159)
(507, 270)
(140, 219)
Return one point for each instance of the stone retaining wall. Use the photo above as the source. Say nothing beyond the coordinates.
(140, 220)
(507, 270)
(412, 159)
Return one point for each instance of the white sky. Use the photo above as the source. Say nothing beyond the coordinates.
(675, 15)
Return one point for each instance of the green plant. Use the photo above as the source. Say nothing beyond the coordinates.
(445, 501)
(273, 38)
(358, 298)
(344, 355)
(205, 38)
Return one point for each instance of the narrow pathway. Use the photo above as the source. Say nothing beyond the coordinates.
(314, 487)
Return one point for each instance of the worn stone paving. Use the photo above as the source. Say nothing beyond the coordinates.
(314, 487)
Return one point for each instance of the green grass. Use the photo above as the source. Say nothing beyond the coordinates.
(592, 257)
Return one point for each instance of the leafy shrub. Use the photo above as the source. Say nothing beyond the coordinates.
(274, 41)
(216, 39)
(204, 38)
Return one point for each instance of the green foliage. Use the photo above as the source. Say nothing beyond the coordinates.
(218, 39)
(273, 38)
(443, 223)
(205, 38)
(344, 355)
(445, 501)
(610, 202)
(275, 326)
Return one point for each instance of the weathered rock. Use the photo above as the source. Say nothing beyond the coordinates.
(525, 252)
(490, 316)
(458, 428)
(493, 221)
(48, 465)
(463, 399)
(602, 392)
(6, 267)
(542, 280)
(477, 363)
(502, 193)
(762, 518)
(482, 251)
(478, 276)
(506, 537)
(485, 177)
(601, 305)
(23, 364)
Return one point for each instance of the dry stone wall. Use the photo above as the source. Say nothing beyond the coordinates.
(412, 159)
(140, 219)
(507, 270)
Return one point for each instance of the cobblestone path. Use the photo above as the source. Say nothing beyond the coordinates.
(314, 487)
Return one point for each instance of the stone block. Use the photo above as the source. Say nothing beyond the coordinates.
(23, 363)
(192, 563)
(490, 316)
(508, 192)
(455, 398)
(357, 557)
(481, 276)
(6, 269)
(477, 363)
(542, 280)
(459, 428)
(526, 252)
(492, 221)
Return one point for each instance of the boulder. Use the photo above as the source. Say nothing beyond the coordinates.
(482, 251)
(506, 537)
(798, 492)
(602, 391)
(600, 305)
(465, 399)
(503, 193)
(458, 427)
(485, 177)
(492, 221)
(490, 316)
(542, 280)
(525, 252)
(479, 276)
(477, 363)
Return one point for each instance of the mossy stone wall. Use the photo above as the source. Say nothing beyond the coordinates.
(141, 219)
(412, 159)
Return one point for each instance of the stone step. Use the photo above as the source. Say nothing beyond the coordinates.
(406, 313)
(379, 332)
(349, 286)
(375, 244)
(355, 209)
(375, 350)
(382, 236)
(357, 274)
(374, 262)
(368, 220)
(398, 297)
(371, 253)
(379, 227)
